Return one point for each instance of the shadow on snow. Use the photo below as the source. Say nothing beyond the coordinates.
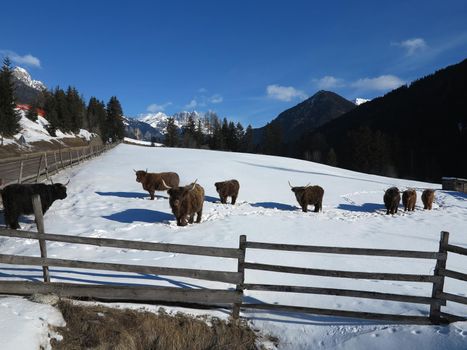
(274, 205)
(128, 195)
(141, 215)
(365, 207)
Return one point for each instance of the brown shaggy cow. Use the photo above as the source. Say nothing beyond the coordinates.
(227, 189)
(154, 181)
(309, 195)
(409, 198)
(186, 202)
(428, 196)
(392, 199)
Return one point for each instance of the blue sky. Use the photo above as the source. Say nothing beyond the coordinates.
(246, 60)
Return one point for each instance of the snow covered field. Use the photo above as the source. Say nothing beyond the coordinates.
(104, 200)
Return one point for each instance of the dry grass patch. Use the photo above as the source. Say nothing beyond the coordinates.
(99, 327)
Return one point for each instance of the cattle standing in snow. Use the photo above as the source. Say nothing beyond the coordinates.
(186, 202)
(392, 199)
(309, 195)
(155, 181)
(227, 189)
(428, 196)
(409, 198)
(17, 199)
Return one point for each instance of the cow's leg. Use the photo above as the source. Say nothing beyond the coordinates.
(192, 218)
(304, 208)
(317, 207)
(151, 193)
(198, 216)
(234, 199)
(223, 199)
(182, 221)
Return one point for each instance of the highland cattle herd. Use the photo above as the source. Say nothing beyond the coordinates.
(187, 201)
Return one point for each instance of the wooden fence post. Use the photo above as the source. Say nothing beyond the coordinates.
(46, 164)
(435, 309)
(61, 159)
(20, 175)
(71, 158)
(55, 162)
(39, 168)
(37, 206)
(241, 269)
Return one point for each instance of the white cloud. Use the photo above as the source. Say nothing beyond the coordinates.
(193, 103)
(413, 46)
(284, 93)
(329, 82)
(28, 60)
(154, 108)
(215, 99)
(202, 90)
(381, 83)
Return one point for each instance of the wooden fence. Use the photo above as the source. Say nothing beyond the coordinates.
(437, 299)
(33, 167)
(234, 297)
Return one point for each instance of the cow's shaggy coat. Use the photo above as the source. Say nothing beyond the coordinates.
(392, 199)
(185, 202)
(309, 195)
(17, 199)
(428, 197)
(153, 181)
(226, 189)
(409, 198)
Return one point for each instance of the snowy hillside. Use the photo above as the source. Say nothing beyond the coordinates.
(34, 131)
(104, 200)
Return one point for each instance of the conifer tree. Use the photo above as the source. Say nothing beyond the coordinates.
(171, 137)
(9, 117)
(115, 129)
(31, 114)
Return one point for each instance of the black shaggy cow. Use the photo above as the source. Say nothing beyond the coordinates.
(309, 195)
(185, 202)
(227, 189)
(153, 181)
(392, 199)
(17, 199)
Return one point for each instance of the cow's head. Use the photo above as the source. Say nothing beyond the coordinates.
(140, 174)
(59, 191)
(179, 194)
(218, 186)
(298, 189)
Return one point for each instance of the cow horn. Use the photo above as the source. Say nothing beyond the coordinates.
(290, 185)
(134, 170)
(167, 187)
(146, 169)
(194, 184)
(308, 185)
(51, 181)
(67, 182)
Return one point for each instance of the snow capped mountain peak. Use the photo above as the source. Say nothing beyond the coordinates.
(24, 76)
(358, 101)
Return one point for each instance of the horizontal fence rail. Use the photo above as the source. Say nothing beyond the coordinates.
(343, 274)
(127, 244)
(348, 251)
(122, 293)
(210, 275)
(343, 292)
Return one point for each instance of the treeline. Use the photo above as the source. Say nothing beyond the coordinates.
(210, 132)
(65, 110)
